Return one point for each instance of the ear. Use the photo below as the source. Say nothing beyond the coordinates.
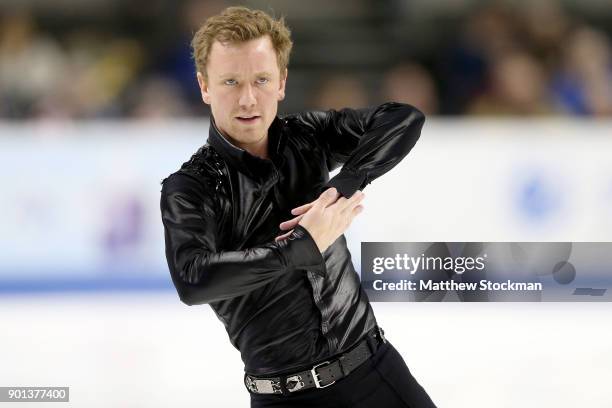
(203, 88)
(282, 83)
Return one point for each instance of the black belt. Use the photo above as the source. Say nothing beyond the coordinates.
(320, 375)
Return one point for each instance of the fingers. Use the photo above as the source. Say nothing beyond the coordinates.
(281, 237)
(356, 210)
(351, 203)
(301, 209)
(305, 207)
(328, 197)
(352, 213)
(291, 223)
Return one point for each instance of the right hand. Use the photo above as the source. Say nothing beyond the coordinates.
(329, 216)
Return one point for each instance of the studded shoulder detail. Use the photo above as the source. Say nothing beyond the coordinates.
(208, 164)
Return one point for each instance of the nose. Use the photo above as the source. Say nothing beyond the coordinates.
(247, 96)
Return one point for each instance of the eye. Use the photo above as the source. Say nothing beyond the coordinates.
(262, 80)
(230, 82)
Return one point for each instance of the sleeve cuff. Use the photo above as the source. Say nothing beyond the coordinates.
(347, 181)
(301, 251)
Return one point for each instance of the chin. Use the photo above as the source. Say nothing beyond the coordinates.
(247, 137)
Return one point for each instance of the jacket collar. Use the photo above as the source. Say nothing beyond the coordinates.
(255, 167)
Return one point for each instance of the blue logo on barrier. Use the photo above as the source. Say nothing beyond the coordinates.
(538, 198)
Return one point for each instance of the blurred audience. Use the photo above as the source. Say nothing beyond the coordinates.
(410, 83)
(158, 98)
(337, 92)
(582, 83)
(516, 86)
(31, 66)
(499, 59)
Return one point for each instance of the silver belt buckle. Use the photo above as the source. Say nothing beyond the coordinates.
(262, 386)
(315, 376)
(298, 384)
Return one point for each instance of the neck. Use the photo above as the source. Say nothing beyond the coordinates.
(259, 148)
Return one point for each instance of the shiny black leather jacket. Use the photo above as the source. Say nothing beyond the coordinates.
(285, 305)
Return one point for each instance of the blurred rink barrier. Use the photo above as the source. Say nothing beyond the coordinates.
(81, 201)
(86, 299)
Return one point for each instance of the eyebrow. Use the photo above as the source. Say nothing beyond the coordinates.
(234, 75)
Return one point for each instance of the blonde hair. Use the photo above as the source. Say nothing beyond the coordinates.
(241, 24)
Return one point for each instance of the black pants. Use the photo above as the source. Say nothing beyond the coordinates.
(383, 381)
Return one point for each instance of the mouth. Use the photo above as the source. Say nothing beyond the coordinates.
(247, 119)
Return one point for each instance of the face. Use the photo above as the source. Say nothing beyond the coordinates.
(243, 88)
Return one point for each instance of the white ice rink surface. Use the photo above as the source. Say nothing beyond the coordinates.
(150, 350)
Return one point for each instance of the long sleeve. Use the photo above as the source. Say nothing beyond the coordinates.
(201, 272)
(368, 142)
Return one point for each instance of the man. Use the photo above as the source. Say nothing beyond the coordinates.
(253, 225)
